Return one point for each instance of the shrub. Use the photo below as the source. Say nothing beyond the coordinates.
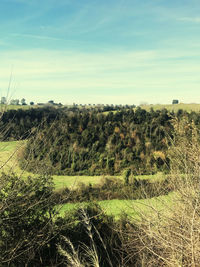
(90, 236)
(26, 218)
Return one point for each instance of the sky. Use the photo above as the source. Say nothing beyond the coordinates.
(100, 51)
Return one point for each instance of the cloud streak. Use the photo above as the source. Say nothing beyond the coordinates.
(190, 19)
(40, 37)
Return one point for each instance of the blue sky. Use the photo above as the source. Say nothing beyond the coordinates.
(100, 51)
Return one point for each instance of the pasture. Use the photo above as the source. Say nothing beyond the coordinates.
(173, 107)
(134, 208)
(15, 107)
(8, 155)
(74, 181)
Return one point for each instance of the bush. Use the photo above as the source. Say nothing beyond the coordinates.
(90, 236)
(26, 219)
(113, 188)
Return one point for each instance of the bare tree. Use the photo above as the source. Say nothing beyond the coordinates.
(171, 236)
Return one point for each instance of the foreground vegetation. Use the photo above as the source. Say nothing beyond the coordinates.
(124, 220)
(32, 230)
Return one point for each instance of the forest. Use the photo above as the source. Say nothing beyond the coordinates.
(93, 143)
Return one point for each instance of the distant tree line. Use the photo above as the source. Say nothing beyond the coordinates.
(17, 102)
(21, 124)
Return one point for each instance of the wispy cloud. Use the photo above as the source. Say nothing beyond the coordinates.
(190, 19)
(3, 43)
(40, 37)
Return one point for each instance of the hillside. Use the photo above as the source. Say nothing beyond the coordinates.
(176, 107)
(95, 144)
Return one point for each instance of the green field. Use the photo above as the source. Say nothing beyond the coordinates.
(8, 155)
(175, 107)
(134, 208)
(15, 107)
(73, 181)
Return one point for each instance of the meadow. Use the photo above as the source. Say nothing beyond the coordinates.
(173, 107)
(4, 107)
(134, 209)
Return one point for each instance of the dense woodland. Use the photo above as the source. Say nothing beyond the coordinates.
(73, 141)
(91, 143)
(20, 124)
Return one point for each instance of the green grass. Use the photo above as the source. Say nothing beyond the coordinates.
(73, 181)
(8, 155)
(8, 146)
(152, 177)
(175, 108)
(15, 107)
(134, 208)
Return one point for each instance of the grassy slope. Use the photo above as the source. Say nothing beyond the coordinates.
(73, 181)
(8, 155)
(15, 107)
(175, 108)
(134, 208)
